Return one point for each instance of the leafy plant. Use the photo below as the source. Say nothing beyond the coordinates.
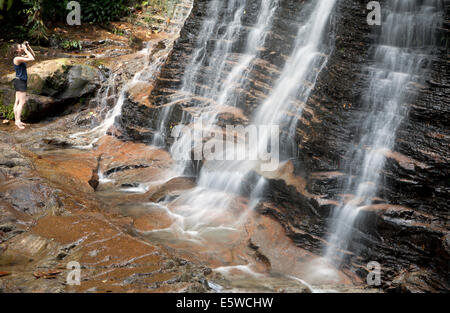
(4, 48)
(164, 7)
(100, 11)
(71, 45)
(33, 10)
(54, 10)
(6, 111)
(118, 31)
(8, 6)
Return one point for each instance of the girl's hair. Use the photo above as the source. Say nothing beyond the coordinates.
(14, 51)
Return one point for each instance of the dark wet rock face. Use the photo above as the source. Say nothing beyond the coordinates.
(406, 227)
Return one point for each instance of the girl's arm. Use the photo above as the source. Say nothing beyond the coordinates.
(28, 58)
(30, 49)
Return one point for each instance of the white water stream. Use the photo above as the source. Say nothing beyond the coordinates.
(401, 59)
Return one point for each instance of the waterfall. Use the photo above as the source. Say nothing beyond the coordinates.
(217, 91)
(210, 28)
(400, 59)
(286, 101)
(216, 84)
(203, 208)
(212, 204)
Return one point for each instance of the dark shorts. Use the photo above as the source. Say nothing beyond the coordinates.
(20, 85)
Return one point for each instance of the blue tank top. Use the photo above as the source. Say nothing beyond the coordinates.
(21, 71)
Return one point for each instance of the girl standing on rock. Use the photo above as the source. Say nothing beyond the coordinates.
(22, 53)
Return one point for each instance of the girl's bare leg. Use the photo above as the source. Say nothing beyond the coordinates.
(16, 103)
(18, 112)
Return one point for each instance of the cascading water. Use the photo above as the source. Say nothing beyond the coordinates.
(285, 103)
(218, 83)
(214, 208)
(215, 191)
(211, 27)
(245, 62)
(401, 58)
(295, 83)
(219, 89)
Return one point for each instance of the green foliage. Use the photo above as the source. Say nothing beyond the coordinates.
(54, 10)
(3, 7)
(27, 19)
(8, 4)
(118, 31)
(163, 7)
(100, 11)
(6, 111)
(71, 45)
(20, 32)
(33, 10)
(149, 20)
(4, 49)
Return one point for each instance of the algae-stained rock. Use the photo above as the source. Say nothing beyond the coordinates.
(63, 79)
(81, 80)
(38, 107)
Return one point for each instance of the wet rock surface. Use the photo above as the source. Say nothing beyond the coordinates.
(54, 207)
(50, 216)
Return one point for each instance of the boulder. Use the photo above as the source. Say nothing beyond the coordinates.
(39, 73)
(52, 84)
(81, 80)
(37, 107)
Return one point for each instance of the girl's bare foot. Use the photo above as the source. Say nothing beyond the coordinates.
(20, 125)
